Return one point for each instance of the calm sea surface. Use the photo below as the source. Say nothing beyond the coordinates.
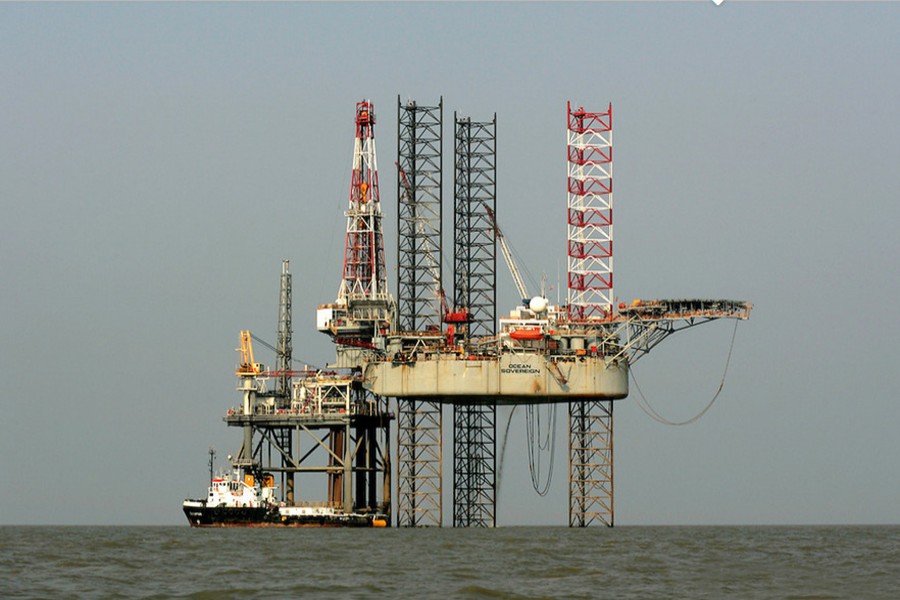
(513, 562)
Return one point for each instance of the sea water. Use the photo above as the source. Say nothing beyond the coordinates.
(508, 562)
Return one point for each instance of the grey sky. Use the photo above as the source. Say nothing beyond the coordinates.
(157, 161)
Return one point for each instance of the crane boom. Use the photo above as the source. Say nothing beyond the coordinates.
(513, 268)
(249, 366)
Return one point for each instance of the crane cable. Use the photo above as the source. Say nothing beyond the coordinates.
(649, 411)
(522, 265)
(534, 433)
(275, 350)
(549, 443)
(503, 454)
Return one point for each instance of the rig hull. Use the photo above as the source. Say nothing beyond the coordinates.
(508, 379)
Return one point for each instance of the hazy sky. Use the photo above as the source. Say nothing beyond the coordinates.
(157, 161)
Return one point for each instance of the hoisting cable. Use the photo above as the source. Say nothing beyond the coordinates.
(659, 418)
(275, 350)
(535, 433)
(503, 454)
(523, 266)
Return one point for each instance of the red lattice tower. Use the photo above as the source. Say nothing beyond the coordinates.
(590, 231)
(364, 272)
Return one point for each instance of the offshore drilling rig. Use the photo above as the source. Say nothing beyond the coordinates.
(427, 351)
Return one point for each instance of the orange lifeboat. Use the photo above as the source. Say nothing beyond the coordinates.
(528, 333)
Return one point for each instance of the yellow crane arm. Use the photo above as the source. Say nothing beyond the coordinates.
(248, 365)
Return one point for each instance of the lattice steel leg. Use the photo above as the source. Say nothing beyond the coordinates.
(419, 457)
(591, 463)
(474, 465)
(419, 216)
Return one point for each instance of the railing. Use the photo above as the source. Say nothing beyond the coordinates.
(317, 504)
(310, 410)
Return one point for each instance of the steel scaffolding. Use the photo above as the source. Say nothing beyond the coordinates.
(591, 463)
(475, 281)
(419, 286)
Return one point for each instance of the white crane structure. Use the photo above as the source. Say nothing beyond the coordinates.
(510, 262)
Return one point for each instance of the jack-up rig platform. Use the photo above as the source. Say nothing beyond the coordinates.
(427, 352)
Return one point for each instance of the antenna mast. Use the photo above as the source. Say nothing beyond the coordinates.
(212, 460)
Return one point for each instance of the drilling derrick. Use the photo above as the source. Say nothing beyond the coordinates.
(364, 273)
(364, 310)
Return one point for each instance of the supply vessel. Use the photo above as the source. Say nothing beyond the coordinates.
(244, 500)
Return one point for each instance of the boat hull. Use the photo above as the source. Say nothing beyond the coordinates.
(199, 515)
(228, 516)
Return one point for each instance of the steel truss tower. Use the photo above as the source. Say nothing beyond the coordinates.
(475, 281)
(590, 296)
(475, 249)
(591, 463)
(590, 231)
(419, 251)
(364, 273)
(283, 343)
(419, 185)
(364, 309)
(283, 358)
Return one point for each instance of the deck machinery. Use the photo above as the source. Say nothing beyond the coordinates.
(427, 353)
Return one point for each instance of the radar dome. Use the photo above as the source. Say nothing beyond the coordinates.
(538, 305)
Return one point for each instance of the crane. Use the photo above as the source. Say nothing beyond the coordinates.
(513, 268)
(248, 366)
